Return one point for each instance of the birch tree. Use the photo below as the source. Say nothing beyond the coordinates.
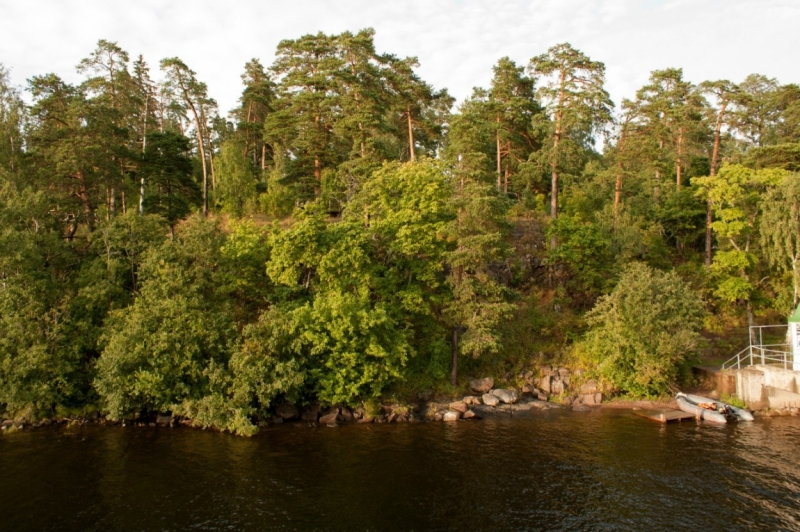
(780, 229)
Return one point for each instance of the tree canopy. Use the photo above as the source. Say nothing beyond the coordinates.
(347, 232)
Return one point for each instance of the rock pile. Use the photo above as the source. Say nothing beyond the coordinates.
(555, 381)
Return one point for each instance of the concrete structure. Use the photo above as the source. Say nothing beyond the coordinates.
(767, 372)
(794, 333)
(768, 387)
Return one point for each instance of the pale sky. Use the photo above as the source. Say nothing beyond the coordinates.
(456, 41)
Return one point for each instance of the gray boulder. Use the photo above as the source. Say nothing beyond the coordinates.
(451, 415)
(592, 399)
(588, 387)
(458, 406)
(481, 385)
(330, 417)
(490, 399)
(485, 411)
(506, 396)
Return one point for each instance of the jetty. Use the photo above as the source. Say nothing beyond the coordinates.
(665, 416)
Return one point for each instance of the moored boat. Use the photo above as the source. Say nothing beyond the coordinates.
(711, 409)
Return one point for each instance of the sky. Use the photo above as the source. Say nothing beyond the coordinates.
(457, 41)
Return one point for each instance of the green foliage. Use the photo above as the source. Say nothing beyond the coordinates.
(780, 228)
(237, 186)
(585, 251)
(167, 170)
(164, 352)
(405, 240)
(279, 199)
(358, 292)
(40, 365)
(644, 333)
(733, 400)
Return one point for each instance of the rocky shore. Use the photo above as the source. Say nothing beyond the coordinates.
(549, 389)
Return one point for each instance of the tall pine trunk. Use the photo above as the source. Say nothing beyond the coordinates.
(709, 205)
(411, 150)
(205, 171)
(499, 157)
(618, 182)
(144, 147)
(679, 160)
(554, 160)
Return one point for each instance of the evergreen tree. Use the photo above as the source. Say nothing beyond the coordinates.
(577, 103)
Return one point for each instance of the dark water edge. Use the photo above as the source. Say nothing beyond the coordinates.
(603, 470)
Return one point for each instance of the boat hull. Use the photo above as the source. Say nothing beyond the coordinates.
(740, 413)
(689, 403)
(700, 413)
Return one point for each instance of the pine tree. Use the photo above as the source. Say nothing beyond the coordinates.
(576, 101)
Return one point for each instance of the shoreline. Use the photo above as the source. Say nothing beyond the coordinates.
(426, 412)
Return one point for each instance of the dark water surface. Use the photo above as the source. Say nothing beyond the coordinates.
(604, 470)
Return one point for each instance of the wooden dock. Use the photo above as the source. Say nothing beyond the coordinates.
(665, 416)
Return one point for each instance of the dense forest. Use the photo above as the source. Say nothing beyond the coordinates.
(349, 233)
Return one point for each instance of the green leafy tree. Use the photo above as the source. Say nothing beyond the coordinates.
(419, 110)
(256, 103)
(644, 333)
(780, 229)
(71, 145)
(673, 110)
(41, 368)
(513, 103)
(758, 110)
(304, 117)
(168, 351)
(583, 254)
(736, 193)
(237, 185)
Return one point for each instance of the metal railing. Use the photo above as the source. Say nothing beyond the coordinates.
(769, 354)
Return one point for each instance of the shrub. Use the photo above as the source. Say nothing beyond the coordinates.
(645, 332)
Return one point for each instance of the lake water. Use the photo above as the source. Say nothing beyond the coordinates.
(603, 470)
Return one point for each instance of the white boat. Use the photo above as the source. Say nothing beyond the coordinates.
(711, 409)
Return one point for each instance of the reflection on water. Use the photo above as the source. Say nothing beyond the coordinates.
(564, 471)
